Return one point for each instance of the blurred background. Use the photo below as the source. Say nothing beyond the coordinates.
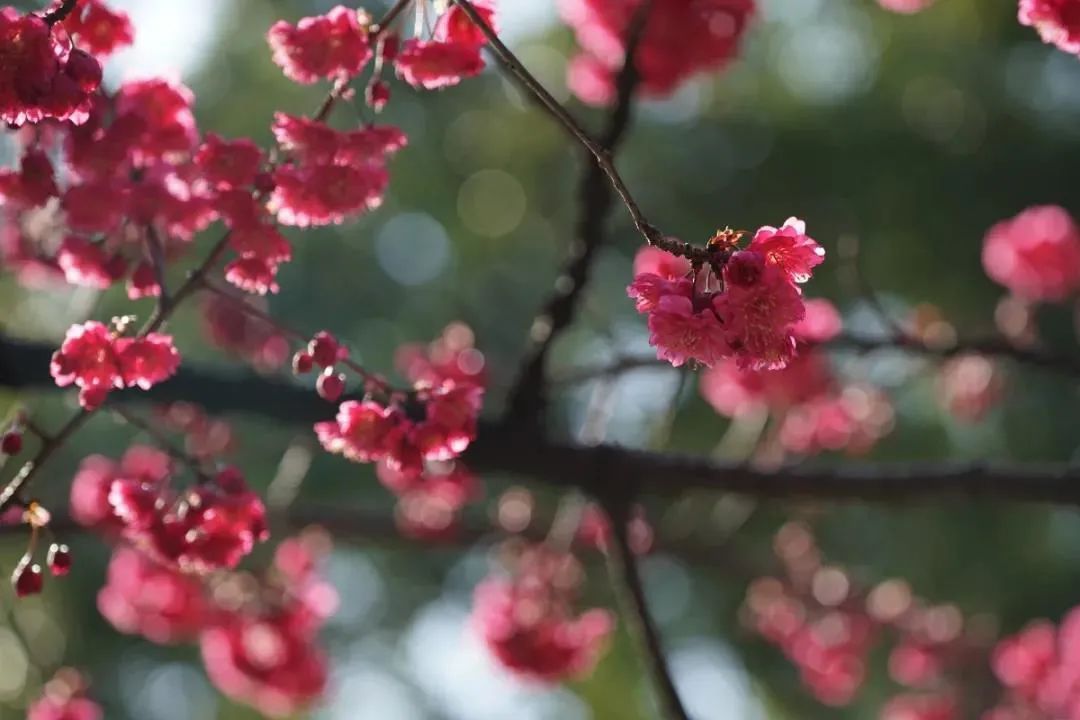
(907, 135)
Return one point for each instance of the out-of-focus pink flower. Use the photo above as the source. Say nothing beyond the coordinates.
(1036, 254)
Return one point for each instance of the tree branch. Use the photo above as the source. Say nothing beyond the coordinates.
(630, 593)
(11, 492)
(1067, 365)
(502, 448)
(527, 398)
(536, 90)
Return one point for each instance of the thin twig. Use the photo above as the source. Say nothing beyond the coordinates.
(161, 440)
(341, 83)
(527, 400)
(626, 582)
(156, 251)
(13, 490)
(603, 158)
(250, 310)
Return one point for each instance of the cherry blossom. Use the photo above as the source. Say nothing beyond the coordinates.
(528, 624)
(40, 77)
(749, 312)
(1057, 22)
(210, 526)
(65, 698)
(143, 597)
(99, 29)
(97, 360)
(1036, 254)
(320, 47)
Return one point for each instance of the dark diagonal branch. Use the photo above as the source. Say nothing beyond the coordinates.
(630, 593)
(538, 92)
(527, 397)
(500, 448)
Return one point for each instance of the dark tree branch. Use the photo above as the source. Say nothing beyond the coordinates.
(630, 593)
(537, 91)
(1067, 365)
(502, 448)
(156, 252)
(60, 12)
(527, 399)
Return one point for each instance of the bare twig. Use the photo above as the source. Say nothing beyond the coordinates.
(156, 251)
(295, 335)
(12, 491)
(626, 582)
(527, 397)
(603, 158)
(162, 441)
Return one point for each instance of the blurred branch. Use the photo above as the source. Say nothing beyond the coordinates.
(156, 251)
(630, 593)
(527, 397)
(1064, 364)
(501, 448)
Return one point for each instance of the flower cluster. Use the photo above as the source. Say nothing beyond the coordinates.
(256, 633)
(209, 526)
(261, 649)
(333, 175)
(143, 597)
(1036, 255)
(97, 360)
(828, 627)
(815, 411)
(337, 46)
(527, 620)
(1040, 669)
(429, 502)
(41, 75)
(746, 310)
(433, 422)
(453, 53)
(681, 39)
(65, 699)
(206, 527)
(1057, 22)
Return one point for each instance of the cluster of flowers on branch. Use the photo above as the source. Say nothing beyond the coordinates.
(527, 621)
(417, 435)
(744, 305)
(814, 410)
(828, 626)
